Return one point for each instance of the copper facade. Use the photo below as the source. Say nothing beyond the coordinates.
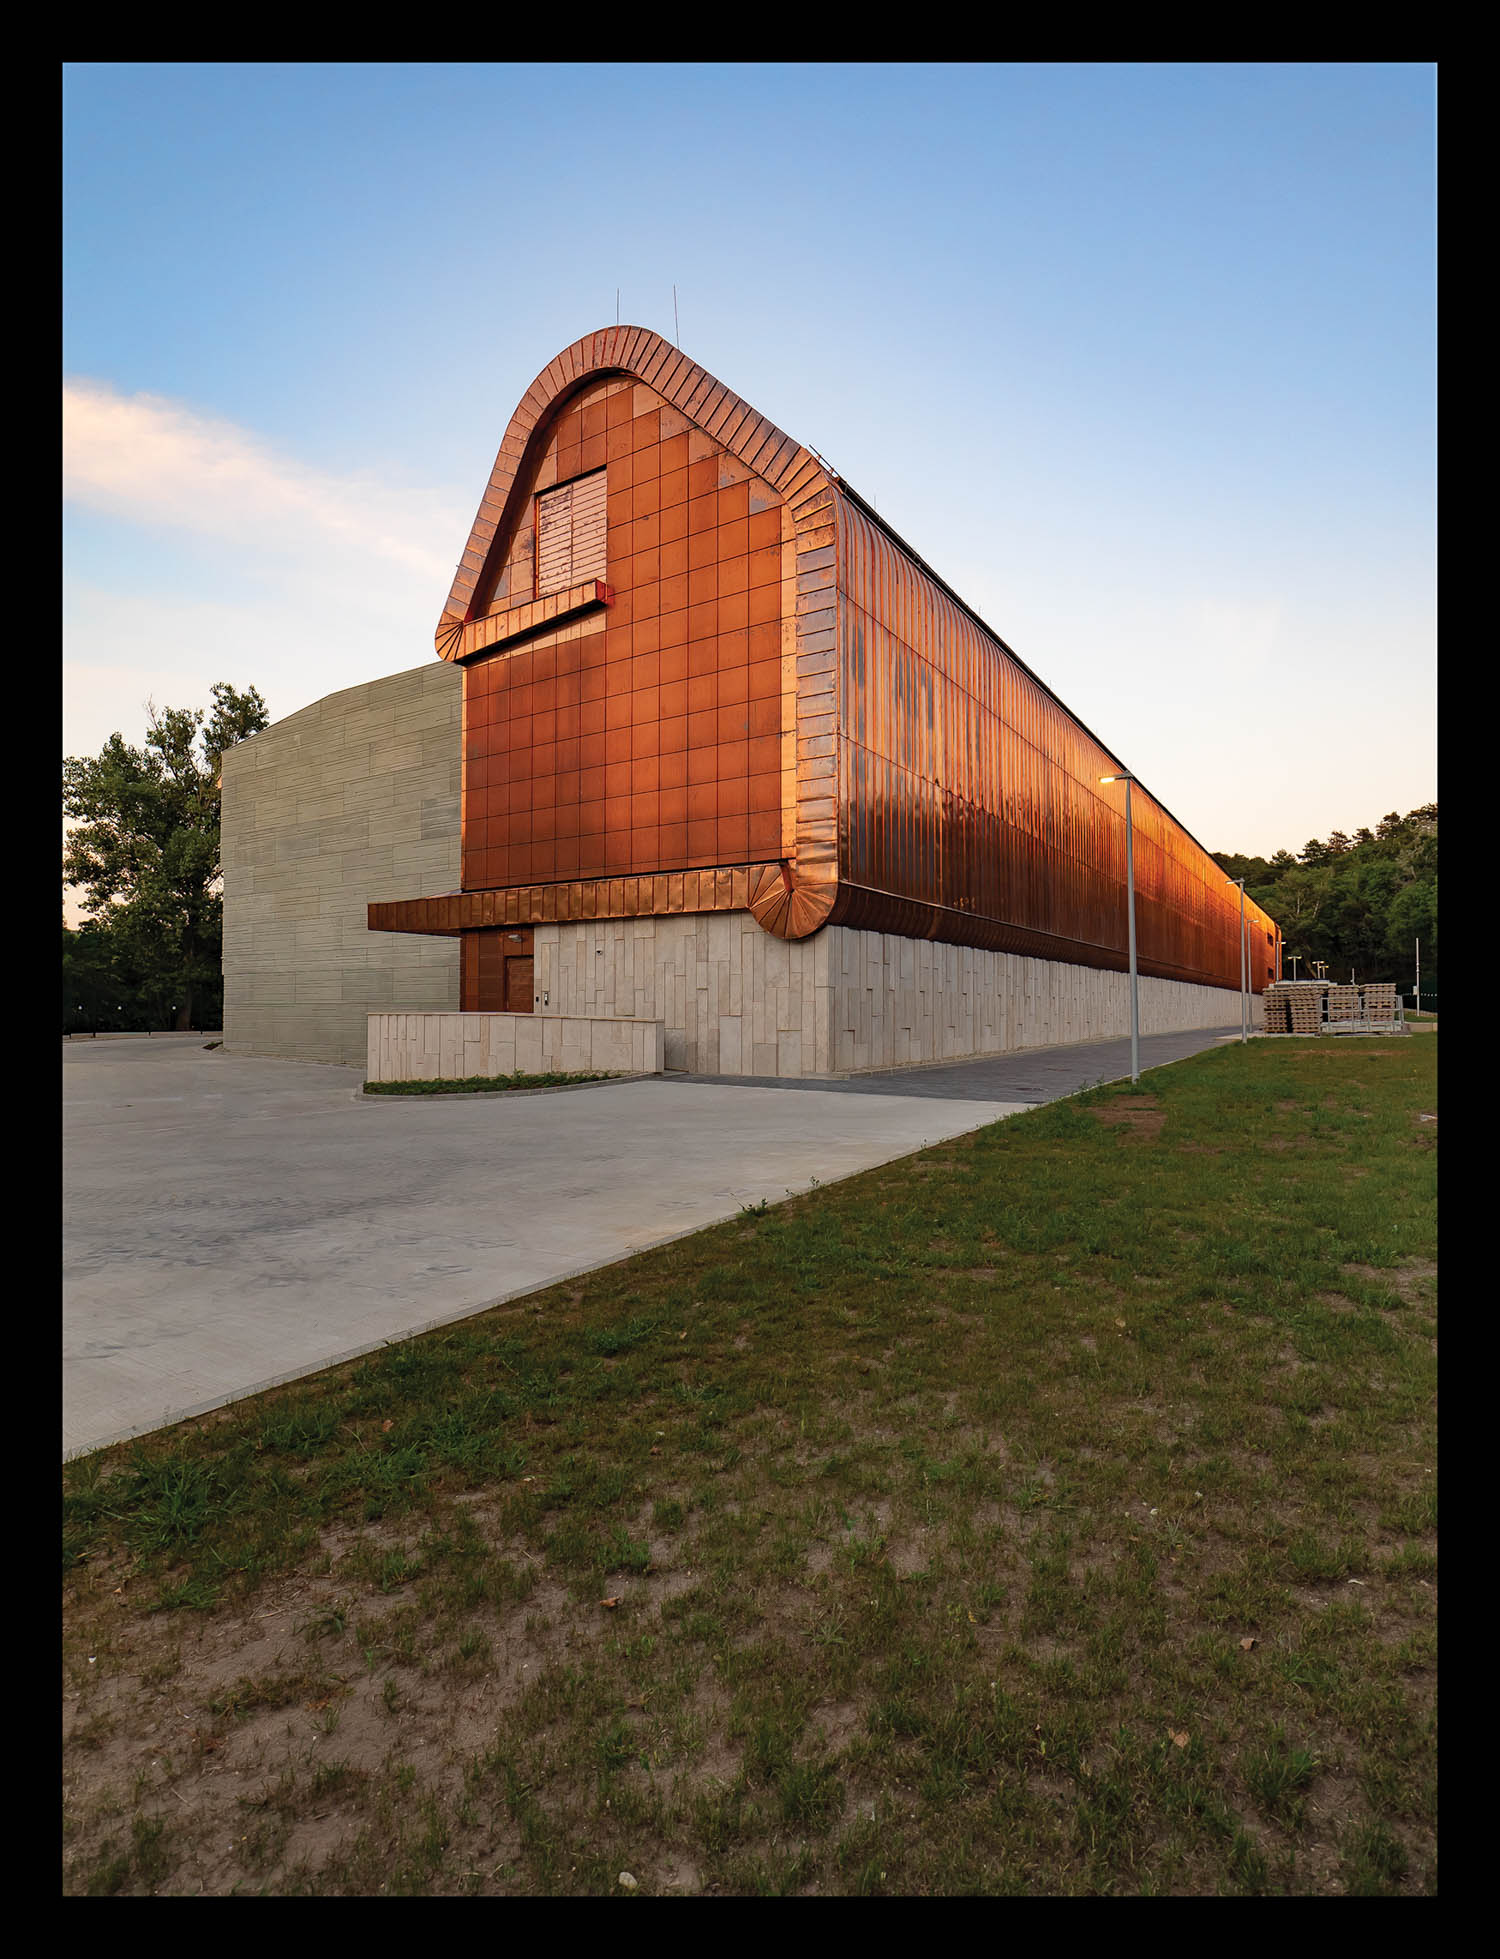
(967, 788)
(768, 691)
(646, 736)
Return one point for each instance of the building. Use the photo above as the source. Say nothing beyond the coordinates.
(734, 758)
(358, 793)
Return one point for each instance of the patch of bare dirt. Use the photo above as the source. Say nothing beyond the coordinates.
(254, 1740)
(840, 1722)
(1413, 1279)
(1139, 1116)
(908, 1555)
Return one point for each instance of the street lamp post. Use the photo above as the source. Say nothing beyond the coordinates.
(1135, 984)
(1244, 1003)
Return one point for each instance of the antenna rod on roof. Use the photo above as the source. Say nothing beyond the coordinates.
(617, 305)
(676, 330)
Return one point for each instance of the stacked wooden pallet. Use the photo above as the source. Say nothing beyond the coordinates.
(1380, 1003)
(1305, 1000)
(1343, 1003)
(1276, 1013)
(1315, 1007)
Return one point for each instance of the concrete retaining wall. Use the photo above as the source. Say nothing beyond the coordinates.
(353, 798)
(414, 1047)
(736, 1001)
(897, 1001)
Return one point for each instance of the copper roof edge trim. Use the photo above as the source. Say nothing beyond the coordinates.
(630, 352)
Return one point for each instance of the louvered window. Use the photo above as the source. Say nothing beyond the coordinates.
(570, 534)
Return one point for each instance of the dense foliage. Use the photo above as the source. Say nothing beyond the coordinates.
(143, 854)
(1359, 902)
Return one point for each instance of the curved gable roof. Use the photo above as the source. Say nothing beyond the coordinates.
(775, 457)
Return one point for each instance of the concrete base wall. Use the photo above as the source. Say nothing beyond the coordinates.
(419, 1047)
(897, 1002)
(736, 1001)
(352, 799)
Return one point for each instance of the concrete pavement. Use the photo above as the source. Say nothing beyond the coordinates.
(231, 1222)
(1028, 1075)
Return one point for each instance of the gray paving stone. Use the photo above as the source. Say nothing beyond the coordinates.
(1029, 1075)
(230, 1222)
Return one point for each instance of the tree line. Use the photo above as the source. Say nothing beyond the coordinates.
(143, 853)
(1358, 902)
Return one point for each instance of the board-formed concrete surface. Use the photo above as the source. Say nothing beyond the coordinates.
(355, 797)
(231, 1222)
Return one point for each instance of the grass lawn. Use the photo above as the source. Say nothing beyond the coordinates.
(1050, 1512)
(481, 1084)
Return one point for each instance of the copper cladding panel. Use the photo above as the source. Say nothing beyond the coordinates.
(467, 913)
(514, 621)
(652, 736)
(970, 804)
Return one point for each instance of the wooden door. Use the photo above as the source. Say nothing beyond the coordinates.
(519, 990)
(497, 974)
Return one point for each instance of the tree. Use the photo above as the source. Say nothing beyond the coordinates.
(145, 847)
(95, 997)
(1413, 916)
(1254, 870)
(1359, 904)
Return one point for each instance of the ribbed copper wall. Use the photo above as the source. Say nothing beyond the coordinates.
(970, 806)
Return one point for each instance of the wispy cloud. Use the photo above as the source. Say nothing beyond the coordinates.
(299, 581)
(158, 462)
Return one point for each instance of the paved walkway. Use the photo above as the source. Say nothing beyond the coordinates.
(1031, 1075)
(231, 1222)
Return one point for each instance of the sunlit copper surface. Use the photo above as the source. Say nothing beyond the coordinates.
(728, 889)
(516, 620)
(771, 704)
(972, 808)
(694, 732)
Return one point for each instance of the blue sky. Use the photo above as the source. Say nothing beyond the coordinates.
(1140, 358)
